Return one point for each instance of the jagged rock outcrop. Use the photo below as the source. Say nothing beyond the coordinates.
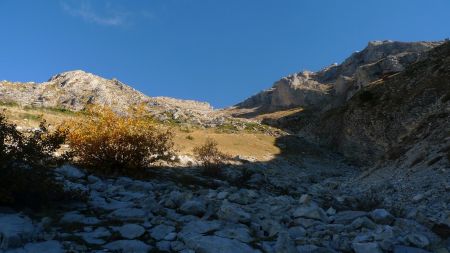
(392, 117)
(335, 84)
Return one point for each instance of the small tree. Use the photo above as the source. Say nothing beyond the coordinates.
(210, 157)
(108, 141)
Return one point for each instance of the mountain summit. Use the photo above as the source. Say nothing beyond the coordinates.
(72, 90)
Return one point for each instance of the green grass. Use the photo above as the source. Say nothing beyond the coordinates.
(57, 110)
(8, 103)
(31, 116)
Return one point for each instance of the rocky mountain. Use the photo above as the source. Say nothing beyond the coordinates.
(75, 90)
(72, 90)
(335, 84)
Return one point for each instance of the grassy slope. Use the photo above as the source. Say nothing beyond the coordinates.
(257, 145)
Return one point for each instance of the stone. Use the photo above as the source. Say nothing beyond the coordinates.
(331, 211)
(170, 236)
(161, 231)
(296, 232)
(47, 247)
(177, 246)
(240, 233)
(96, 236)
(129, 246)
(311, 248)
(267, 227)
(193, 207)
(418, 240)
(76, 217)
(381, 216)
(233, 213)
(285, 244)
(70, 171)
(163, 246)
(197, 227)
(418, 197)
(129, 214)
(305, 199)
(243, 197)
(222, 195)
(215, 244)
(131, 231)
(347, 217)
(405, 249)
(311, 212)
(368, 247)
(15, 230)
(362, 222)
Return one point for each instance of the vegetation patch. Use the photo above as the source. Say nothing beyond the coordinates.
(211, 158)
(25, 166)
(106, 141)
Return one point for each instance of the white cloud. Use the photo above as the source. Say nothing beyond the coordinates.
(108, 16)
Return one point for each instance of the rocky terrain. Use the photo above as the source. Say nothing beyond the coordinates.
(290, 204)
(365, 168)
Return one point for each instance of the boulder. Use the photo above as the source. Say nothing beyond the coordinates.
(129, 246)
(368, 247)
(161, 231)
(381, 216)
(347, 217)
(15, 230)
(131, 231)
(193, 207)
(216, 244)
(233, 213)
(311, 211)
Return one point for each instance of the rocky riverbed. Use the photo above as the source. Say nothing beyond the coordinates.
(281, 206)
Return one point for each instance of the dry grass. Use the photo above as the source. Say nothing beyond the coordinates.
(260, 146)
(31, 117)
(257, 145)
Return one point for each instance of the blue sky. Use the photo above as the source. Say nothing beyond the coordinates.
(219, 51)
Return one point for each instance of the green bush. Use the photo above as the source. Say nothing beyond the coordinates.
(26, 180)
(211, 158)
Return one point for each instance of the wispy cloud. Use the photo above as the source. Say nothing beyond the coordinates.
(107, 16)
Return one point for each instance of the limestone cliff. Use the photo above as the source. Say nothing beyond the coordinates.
(333, 85)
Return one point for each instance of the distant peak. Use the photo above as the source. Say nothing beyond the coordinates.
(72, 74)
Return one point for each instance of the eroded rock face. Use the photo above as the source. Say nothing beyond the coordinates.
(335, 84)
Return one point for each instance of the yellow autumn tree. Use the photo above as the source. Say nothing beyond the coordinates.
(106, 140)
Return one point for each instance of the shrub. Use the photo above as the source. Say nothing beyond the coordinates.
(26, 179)
(210, 157)
(190, 137)
(117, 143)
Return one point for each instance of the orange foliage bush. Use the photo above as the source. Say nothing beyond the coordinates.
(108, 141)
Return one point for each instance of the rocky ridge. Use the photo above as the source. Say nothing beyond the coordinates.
(75, 90)
(333, 85)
